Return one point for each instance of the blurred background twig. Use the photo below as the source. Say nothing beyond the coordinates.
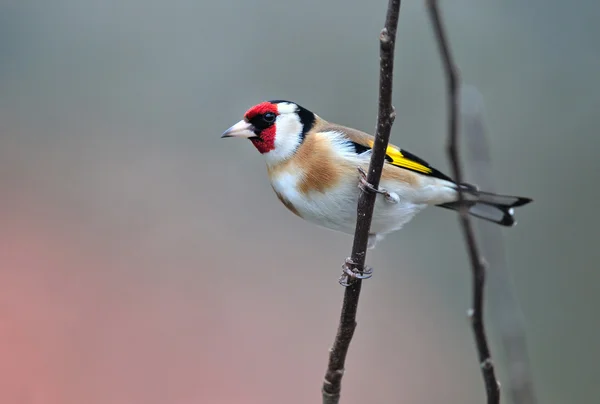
(502, 303)
(385, 119)
(478, 265)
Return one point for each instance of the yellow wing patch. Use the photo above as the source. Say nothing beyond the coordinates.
(398, 159)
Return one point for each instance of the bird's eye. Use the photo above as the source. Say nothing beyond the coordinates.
(269, 117)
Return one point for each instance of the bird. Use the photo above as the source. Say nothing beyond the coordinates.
(317, 168)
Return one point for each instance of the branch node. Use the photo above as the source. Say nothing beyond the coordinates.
(487, 364)
(384, 37)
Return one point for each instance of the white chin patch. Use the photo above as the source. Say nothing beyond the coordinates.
(288, 134)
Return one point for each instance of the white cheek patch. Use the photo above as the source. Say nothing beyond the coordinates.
(287, 137)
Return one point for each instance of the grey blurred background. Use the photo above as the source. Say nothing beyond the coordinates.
(145, 260)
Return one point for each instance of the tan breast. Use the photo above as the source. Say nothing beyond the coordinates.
(315, 165)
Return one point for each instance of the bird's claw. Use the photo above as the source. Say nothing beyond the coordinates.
(351, 273)
(366, 186)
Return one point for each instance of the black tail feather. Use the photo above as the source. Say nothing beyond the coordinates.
(491, 207)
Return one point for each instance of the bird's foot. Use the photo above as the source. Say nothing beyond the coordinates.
(351, 272)
(363, 184)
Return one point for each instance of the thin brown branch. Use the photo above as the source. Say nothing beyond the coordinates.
(504, 307)
(366, 202)
(477, 262)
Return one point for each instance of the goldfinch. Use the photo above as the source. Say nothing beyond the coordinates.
(312, 165)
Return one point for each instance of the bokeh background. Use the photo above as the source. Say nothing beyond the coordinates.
(145, 260)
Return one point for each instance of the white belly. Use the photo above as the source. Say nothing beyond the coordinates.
(336, 208)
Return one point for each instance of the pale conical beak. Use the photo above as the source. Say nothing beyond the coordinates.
(240, 129)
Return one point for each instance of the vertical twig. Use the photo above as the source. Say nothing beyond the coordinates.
(477, 263)
(385, 119)
(504, 307)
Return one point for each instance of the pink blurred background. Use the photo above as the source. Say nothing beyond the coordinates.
(145, 260)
